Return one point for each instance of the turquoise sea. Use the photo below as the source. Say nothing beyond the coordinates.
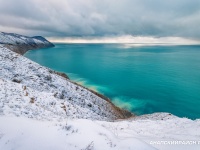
(142, 79)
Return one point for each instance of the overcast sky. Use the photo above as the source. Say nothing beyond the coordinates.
(101, 18)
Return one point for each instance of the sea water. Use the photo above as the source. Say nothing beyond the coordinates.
(142, 79)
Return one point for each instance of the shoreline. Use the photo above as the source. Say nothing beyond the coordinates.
(26, 47)
(126, 113)
(16, 48)
(22, 48)
(109, 100)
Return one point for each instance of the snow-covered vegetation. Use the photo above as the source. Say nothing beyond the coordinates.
(39, 109)
(32, 82)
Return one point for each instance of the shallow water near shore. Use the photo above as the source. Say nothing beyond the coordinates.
(142, 79)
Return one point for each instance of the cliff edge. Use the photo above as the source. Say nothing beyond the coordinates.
(21, 44)
(73, 100)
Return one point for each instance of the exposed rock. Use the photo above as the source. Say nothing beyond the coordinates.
(16, 80)
(59, 73)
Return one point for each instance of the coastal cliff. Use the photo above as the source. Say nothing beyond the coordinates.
(21, 44)
(74, 100)
(42, 109)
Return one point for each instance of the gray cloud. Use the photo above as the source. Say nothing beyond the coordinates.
(68, 18)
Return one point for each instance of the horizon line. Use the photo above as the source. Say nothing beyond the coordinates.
(135, 40)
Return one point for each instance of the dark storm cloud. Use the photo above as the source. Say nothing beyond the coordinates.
(64, 18)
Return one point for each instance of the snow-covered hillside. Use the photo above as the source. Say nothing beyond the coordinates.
(15, 39)
(21, 44)
(39, 109)
(26, 76)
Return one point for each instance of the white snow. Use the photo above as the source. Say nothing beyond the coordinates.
(22, 133)
(28, 134)
(42, 110)
(159, 127)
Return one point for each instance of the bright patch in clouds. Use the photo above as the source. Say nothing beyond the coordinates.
(136, 40)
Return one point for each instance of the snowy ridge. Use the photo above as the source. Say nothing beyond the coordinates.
(16, 39)
(21, 44)
(42, 110)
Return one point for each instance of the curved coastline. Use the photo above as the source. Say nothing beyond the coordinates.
(145, 90)
(32, 95)
(125, 113)
(22, 48)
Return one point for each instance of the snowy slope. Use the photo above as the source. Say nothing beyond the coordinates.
(159, 127)
(40, 109)
(22, 133)
(16, 69)
(15, 39)
(29, 134)
(21, 44)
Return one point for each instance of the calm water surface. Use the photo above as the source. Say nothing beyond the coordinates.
(143, 79)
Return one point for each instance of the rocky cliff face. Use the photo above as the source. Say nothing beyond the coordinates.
(39, 90)
(21, 44)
